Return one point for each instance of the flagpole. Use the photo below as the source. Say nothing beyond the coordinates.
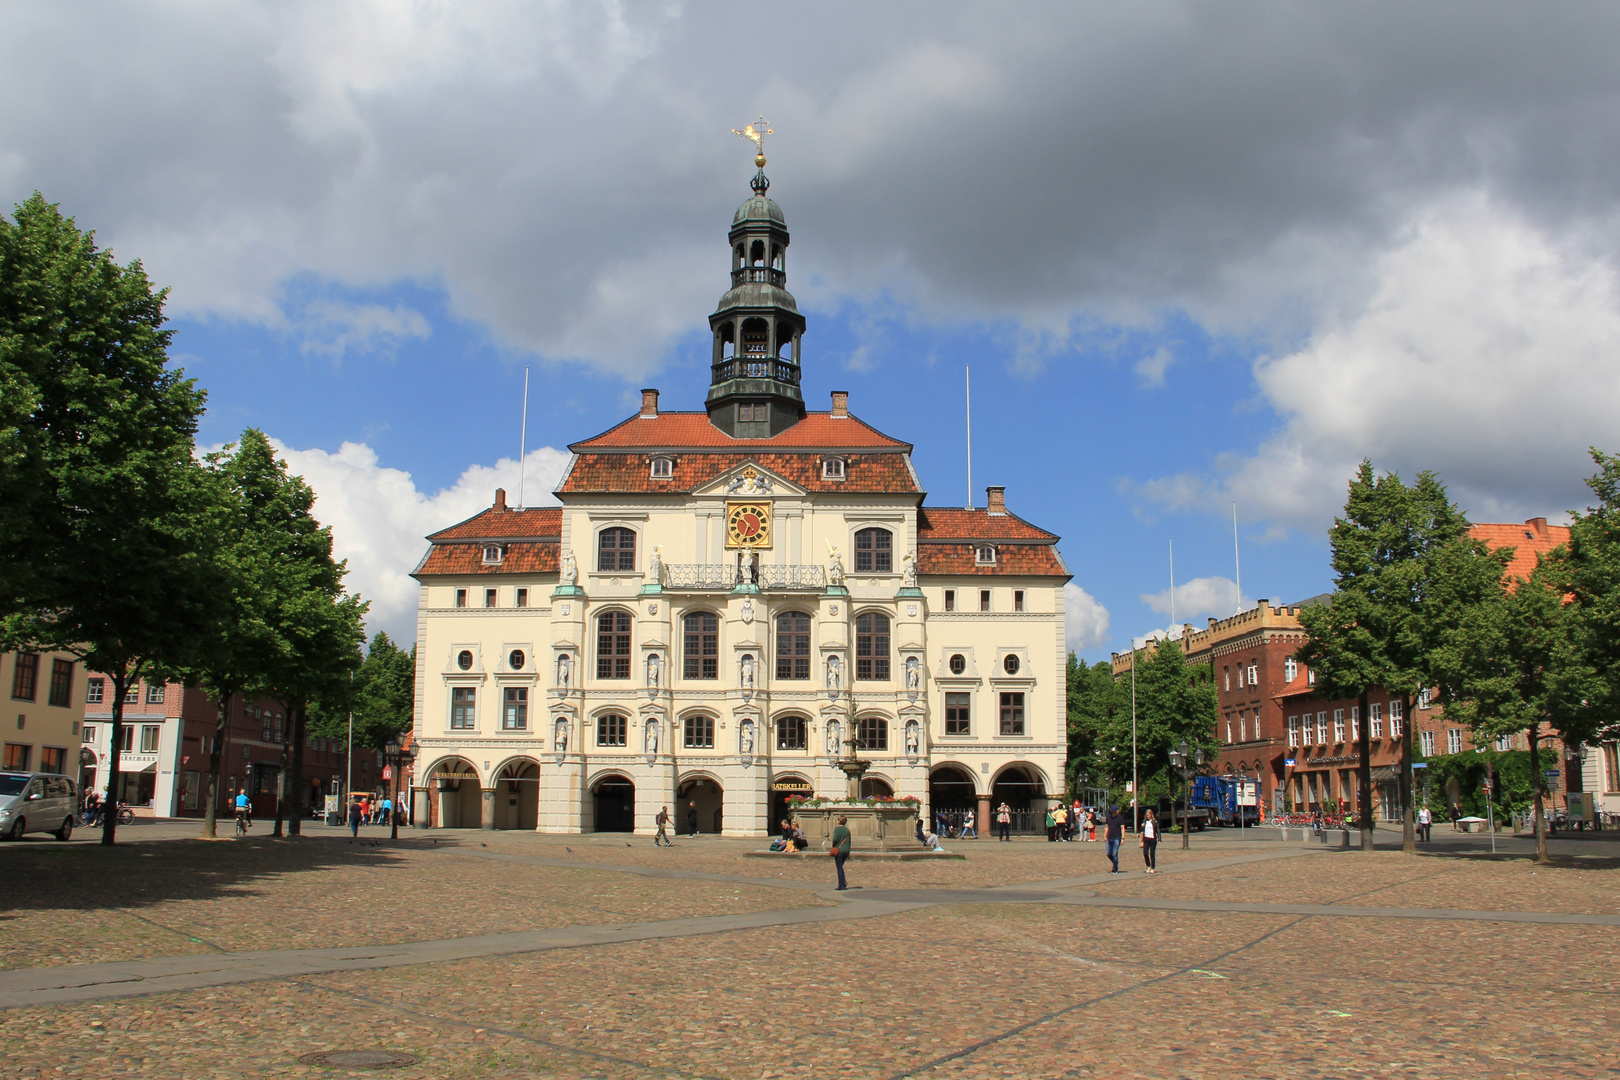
(967, 377)
(523, 439)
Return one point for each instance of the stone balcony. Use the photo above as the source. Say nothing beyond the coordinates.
(723, 577)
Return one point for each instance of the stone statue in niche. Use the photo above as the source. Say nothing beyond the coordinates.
(835, 672)
(559, 741)
(745, 738)
(913, 674)
(908, 571)
(570, 569)
(655, 566)
(652, 736)
(747, 674)
(654, 670)
(913, 738)
(833, 745)
(835, 565)
(565, 671)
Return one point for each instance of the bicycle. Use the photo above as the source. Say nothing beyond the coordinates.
(241, 823)
(126, 816)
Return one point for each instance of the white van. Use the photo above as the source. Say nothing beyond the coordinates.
(37, 802)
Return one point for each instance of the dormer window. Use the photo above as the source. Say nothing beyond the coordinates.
(985, 554)
(832, 468)
(663, 468)
(492, 554)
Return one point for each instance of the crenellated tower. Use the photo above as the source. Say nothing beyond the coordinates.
(754, 381)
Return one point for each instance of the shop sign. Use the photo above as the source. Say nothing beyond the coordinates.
(798, 786)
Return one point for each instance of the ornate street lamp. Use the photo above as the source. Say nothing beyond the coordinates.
(1184, 759)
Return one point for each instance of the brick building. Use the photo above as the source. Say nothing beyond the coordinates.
(1303, 747)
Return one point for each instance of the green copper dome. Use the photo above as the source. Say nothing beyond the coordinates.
(758, 208)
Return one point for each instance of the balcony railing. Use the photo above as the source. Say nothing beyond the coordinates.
(764, 275)
(745, 367)
(722, 577)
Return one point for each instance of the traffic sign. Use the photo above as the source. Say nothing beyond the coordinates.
(1487, 784)
(1550, 774)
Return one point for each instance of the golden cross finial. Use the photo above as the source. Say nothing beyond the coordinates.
(755, 133)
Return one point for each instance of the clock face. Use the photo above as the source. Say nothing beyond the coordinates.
(748, 525)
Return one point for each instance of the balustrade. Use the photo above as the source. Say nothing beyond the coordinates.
(722, 577)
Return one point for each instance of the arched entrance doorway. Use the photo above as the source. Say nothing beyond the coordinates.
(784, 788)
(1019, 787)
(458, 800)
(703, 794)
(517, 795)
(873, 787)
(951, 789)
(615, 799)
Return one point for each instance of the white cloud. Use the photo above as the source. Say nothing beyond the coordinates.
(333, 327)
(1486, 352)
(1199, 598)
(1085, 619)
(1150, 369)
(379, 518)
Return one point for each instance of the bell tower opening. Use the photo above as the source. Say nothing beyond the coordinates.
(754, 379)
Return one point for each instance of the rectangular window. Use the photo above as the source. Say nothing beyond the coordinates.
(1227, 676)
(950, 599)
(663, 468)
(523, 598)
(1375, 717)
(1321, 727)
(1254, 674)
(985, 555)
(616, 549)
(489, 597)
(26, 676)
(1290, 669)
(958, 714)
(461, 598)
(463, 702)
(1426, 743)
(93, 689)
(1228, 728)
(1355, 722)
(1257, 723)
(984, 599)
(1504, 743)
(874, 551)
(871, 733)
(1425, 699)
(132, 696)
(699, 734)
(793, 645)
(1012, 713)
(832, 468)
(126, 740)
(515, 711)
(89, 734)
(1454, 740)
(1243, 727)
(1018, 599)
(1240, 676)
(613, 645)
(1293, 731)
(154, 693)
(52, 759)
(150, 733)
(193, 786)
(611, 729)
(790, 733)
(61, 683)
(17, 756)
(1395, 718)
(701, 657)
(872, 647)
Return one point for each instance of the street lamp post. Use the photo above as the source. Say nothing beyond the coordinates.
(1184, 759)
(396, 754)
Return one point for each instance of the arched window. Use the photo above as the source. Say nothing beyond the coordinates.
(790, 732)
(756, 253)
(874, 551)
(872, 646)
(699, 731)
(616, 549)
(613, 645)
(610, 729)
(872, 733)
(701, 658)
(793, 645)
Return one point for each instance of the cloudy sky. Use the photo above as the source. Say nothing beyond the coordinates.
(1196, 254)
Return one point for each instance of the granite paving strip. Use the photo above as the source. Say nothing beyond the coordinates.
(1350, 911)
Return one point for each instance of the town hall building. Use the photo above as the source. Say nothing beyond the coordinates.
(729, 602)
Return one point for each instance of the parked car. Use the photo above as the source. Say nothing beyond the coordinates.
(37, 802)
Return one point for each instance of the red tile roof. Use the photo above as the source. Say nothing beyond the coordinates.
(949, 523)
(505, 523)
(1535, 537)
(679, 430)
(886, 472)
(521, 558)
(1013, 560)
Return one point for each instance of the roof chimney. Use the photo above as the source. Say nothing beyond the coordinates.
(1539, 525)
(500, 498)
(840, 409)
(649, 403)
(996, 499)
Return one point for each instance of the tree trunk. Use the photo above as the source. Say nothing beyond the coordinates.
(1535, 779)
(286, 762)
(1364, 772)
(295, 813)
(216, 767)
(1408, 825)
(109, 819)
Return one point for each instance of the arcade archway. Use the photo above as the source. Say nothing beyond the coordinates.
(614, 799)
(703, 795)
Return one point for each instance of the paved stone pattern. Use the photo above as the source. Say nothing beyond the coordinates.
(959, 990)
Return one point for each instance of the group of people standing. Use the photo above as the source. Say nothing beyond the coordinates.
(1072, 823)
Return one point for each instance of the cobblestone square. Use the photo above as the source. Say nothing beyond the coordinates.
(519, 955)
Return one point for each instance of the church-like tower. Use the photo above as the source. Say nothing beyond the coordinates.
(754, 384)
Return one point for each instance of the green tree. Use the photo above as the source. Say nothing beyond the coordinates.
(385, 693)
(1175, 703)
(1405, 569)
(1591, 573)
(1096, 701)
(100, 463)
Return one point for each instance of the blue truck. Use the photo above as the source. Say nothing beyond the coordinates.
(1226, 800)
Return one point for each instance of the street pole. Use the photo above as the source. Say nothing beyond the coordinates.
(348, 775)
(1136, 783)
(393, 783)
(1490, 804)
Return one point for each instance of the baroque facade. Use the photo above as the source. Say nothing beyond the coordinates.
(729, 601)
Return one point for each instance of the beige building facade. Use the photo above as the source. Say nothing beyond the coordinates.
(725, 604)
(42, 730)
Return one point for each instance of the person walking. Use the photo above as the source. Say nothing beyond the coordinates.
(691, 818)
(1051, 826)
(357, 811)
(1456, 817)
(662, 820)
(1150, 842)
(1004, 821)
(1425, 823)
(841, 848)
(967, 826)
(1115, 835)
(387, 810)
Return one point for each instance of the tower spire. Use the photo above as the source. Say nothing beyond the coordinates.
(755, 133)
